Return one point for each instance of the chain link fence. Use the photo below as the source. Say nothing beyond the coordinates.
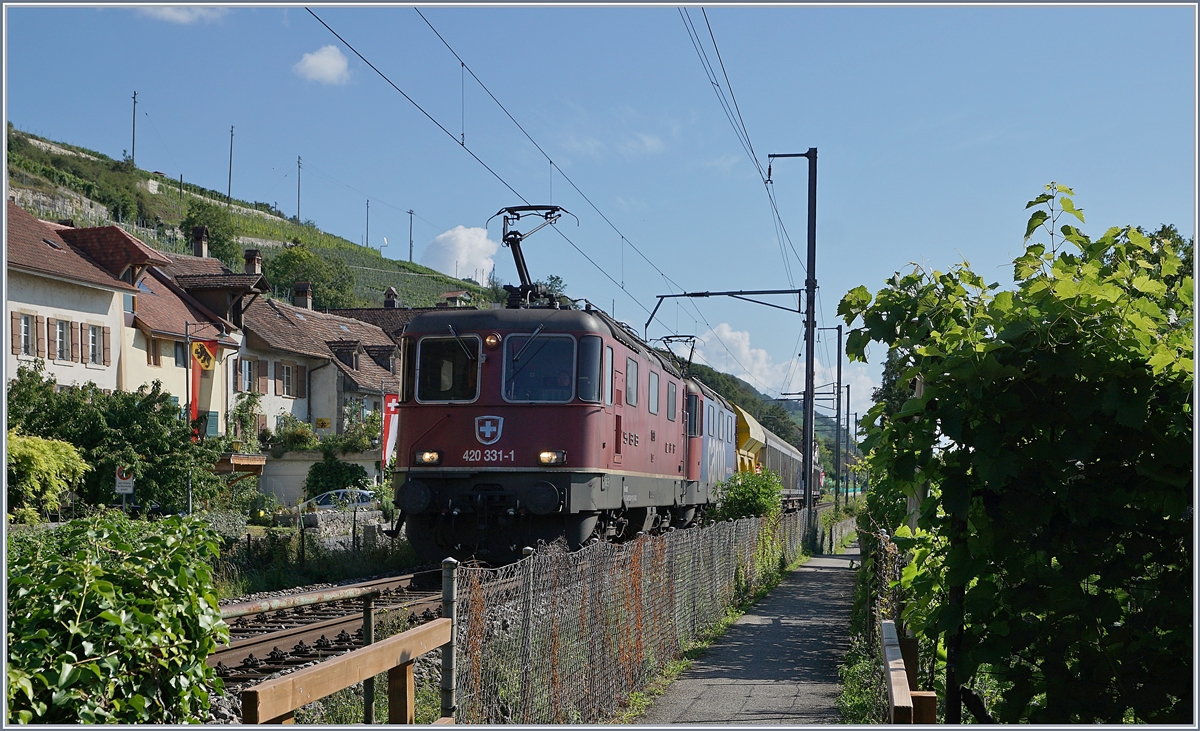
(565, 637)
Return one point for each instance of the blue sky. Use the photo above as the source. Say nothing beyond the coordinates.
(934, 126)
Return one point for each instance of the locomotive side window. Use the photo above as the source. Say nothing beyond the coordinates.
(408, 369)
(608, 376)
(710, 420)
(448, 369)
(588, 382)
(694, 427)
(540, 369)
(631, 382)
(670, 401)
(652, 396)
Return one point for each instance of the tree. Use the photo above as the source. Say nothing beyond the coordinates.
(1053, 552)
(139, 429)
(40, 471)
(332, 280)
(222, 233)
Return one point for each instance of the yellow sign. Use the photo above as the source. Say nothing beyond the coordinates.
(322, 423)
(204, 357)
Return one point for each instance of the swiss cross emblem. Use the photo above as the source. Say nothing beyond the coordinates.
(488, 428)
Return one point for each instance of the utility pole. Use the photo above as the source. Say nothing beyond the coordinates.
(410, 215)
(837, 438)
(133, 151)
(298, 219)
(810, 322)
(846, 492)
(229, 190)
(368, 239)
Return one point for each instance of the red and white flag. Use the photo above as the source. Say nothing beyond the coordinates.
(391, 425)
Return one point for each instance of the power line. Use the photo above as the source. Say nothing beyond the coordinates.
(625, 239)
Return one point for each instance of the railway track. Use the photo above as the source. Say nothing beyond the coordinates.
(281, 633)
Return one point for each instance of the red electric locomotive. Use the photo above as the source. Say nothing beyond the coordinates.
(536, 422)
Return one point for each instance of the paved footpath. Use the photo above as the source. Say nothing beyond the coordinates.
(778, 663)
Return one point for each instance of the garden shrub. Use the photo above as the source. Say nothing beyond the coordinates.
(333, 474)
(746, 494)
(229, 524)
(111, 621)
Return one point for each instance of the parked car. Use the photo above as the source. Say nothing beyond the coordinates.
(334, 499)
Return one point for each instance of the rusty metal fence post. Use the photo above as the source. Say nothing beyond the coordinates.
(526, 635)
(449, 600)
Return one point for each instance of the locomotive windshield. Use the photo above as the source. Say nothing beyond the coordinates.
(448, 369)
(540, 369)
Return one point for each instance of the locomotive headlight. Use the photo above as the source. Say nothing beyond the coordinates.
(552, 457)
(429, 458)
(492, 341)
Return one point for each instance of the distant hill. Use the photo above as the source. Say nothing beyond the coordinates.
(57, 180)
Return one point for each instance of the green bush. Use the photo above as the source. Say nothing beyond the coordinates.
(111, 621)
(40, 471)
(746, 494)
(333, 474)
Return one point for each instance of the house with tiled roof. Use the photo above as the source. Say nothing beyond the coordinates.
(313, 365)
(150, 317)
(391, 318)
(65, 308)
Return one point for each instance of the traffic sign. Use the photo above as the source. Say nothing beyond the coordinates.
(124, 480)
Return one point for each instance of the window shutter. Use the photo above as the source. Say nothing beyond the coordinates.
(211, 428)
(262, 366)
(39, 336)
(300, 380)
(16, 333)
(261, 422)
(278, 378)
(76, 339)
(237, 375)
(107, 346)
(52, 337)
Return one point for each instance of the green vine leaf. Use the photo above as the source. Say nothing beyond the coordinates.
(1035, 220)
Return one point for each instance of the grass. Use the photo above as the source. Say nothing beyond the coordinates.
(272, 570)
(640, 701)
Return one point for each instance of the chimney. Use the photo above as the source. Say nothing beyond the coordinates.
(389, 298)
(302, 295)
(200, 241)
(253, 261)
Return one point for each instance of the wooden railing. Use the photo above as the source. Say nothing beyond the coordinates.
(275, 701)
(900, 674)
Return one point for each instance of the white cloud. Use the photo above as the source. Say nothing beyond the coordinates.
(326, 65)
(730, 351)
(467, 250)
(182, 15)
(640, 144)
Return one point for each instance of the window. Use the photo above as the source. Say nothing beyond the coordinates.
(210, 426)
(247, 375)
(181, 355)
(152, 354)
(631, 382)
(729, 431)
(95, 345)
(28, 345)
(710, 420)
(127, 303)
(62, 340)
(539, 368)
(288, 389)
(694, 427)
(608, 376)
(409, 370)
(448, 369)
(587, 383)
(652, 396)
(670, 400)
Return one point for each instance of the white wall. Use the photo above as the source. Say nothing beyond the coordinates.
(51, 298)
(284, 477)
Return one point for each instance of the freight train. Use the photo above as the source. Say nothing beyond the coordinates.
(538, 421)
